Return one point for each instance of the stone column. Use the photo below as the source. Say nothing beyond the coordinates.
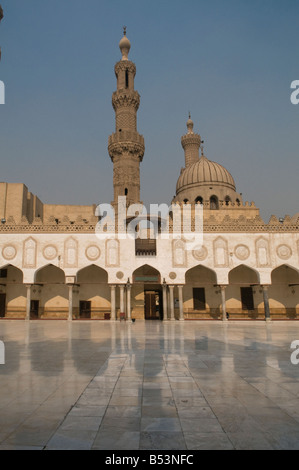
(171, 302)
(28, 301)
(181, 303)
(129, 301)
(71, 291)
(223, 303)
(122, 298)
(113, 303)
(266, 303)
(165, 310)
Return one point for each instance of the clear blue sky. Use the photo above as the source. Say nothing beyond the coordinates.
(229, 62)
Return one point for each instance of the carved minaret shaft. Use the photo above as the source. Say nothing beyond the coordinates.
(126, 146)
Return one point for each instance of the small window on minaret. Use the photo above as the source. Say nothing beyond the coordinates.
(127, 79)
(126, 191)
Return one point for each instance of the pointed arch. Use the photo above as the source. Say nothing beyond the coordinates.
(92, 274)
(146, 273)
(50, 274)
(13, 273)
(214, 203)
(243, 274)
(93, 299)
(284, 292)
(285, 274)
(201, 274)
(12, 292)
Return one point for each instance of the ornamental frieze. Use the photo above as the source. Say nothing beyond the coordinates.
(120, 100)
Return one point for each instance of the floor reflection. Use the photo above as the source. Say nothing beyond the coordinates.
(148, 385)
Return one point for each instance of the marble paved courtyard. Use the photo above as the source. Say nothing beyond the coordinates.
(148, 385)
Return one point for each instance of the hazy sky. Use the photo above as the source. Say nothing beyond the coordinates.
(229, 62)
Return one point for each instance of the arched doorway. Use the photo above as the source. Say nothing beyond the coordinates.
(244, 297)
(49, 294)
(147, 294)
(93, 294)
(284, 293)
(200, 301)
(12, 293)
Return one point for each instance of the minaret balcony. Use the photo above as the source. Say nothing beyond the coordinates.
(126, 141)
(126, 136)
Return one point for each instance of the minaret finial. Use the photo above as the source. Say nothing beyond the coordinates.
(125, 45)
(190, 124)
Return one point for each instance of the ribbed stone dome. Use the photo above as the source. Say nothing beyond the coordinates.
(205, 172)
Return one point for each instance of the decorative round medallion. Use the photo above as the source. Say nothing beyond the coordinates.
(9, 252)
(284, 251)
(50, 252)
(119, 275)
(172, 275)
(200, 253)
(242, 252)
(93, 252)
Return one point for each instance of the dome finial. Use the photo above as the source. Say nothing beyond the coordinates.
(125, 45)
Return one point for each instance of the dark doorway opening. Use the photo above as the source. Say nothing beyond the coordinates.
(85, 309)
(153, 309)
(34, 308)
(247, 298)
(199, 298)
(2, 305)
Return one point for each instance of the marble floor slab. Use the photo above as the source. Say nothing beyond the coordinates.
(148, 386)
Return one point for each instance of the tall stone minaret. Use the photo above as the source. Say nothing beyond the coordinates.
(126, 146)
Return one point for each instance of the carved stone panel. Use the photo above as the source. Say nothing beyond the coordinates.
(220, 253)
(50, 252)
(242, 252)
(9, 252)
(179, 253)
(71, 253)
(262, 253)
(284, 252)
(93, 252)
(200, 253)
(112, 253)
(29, 253)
